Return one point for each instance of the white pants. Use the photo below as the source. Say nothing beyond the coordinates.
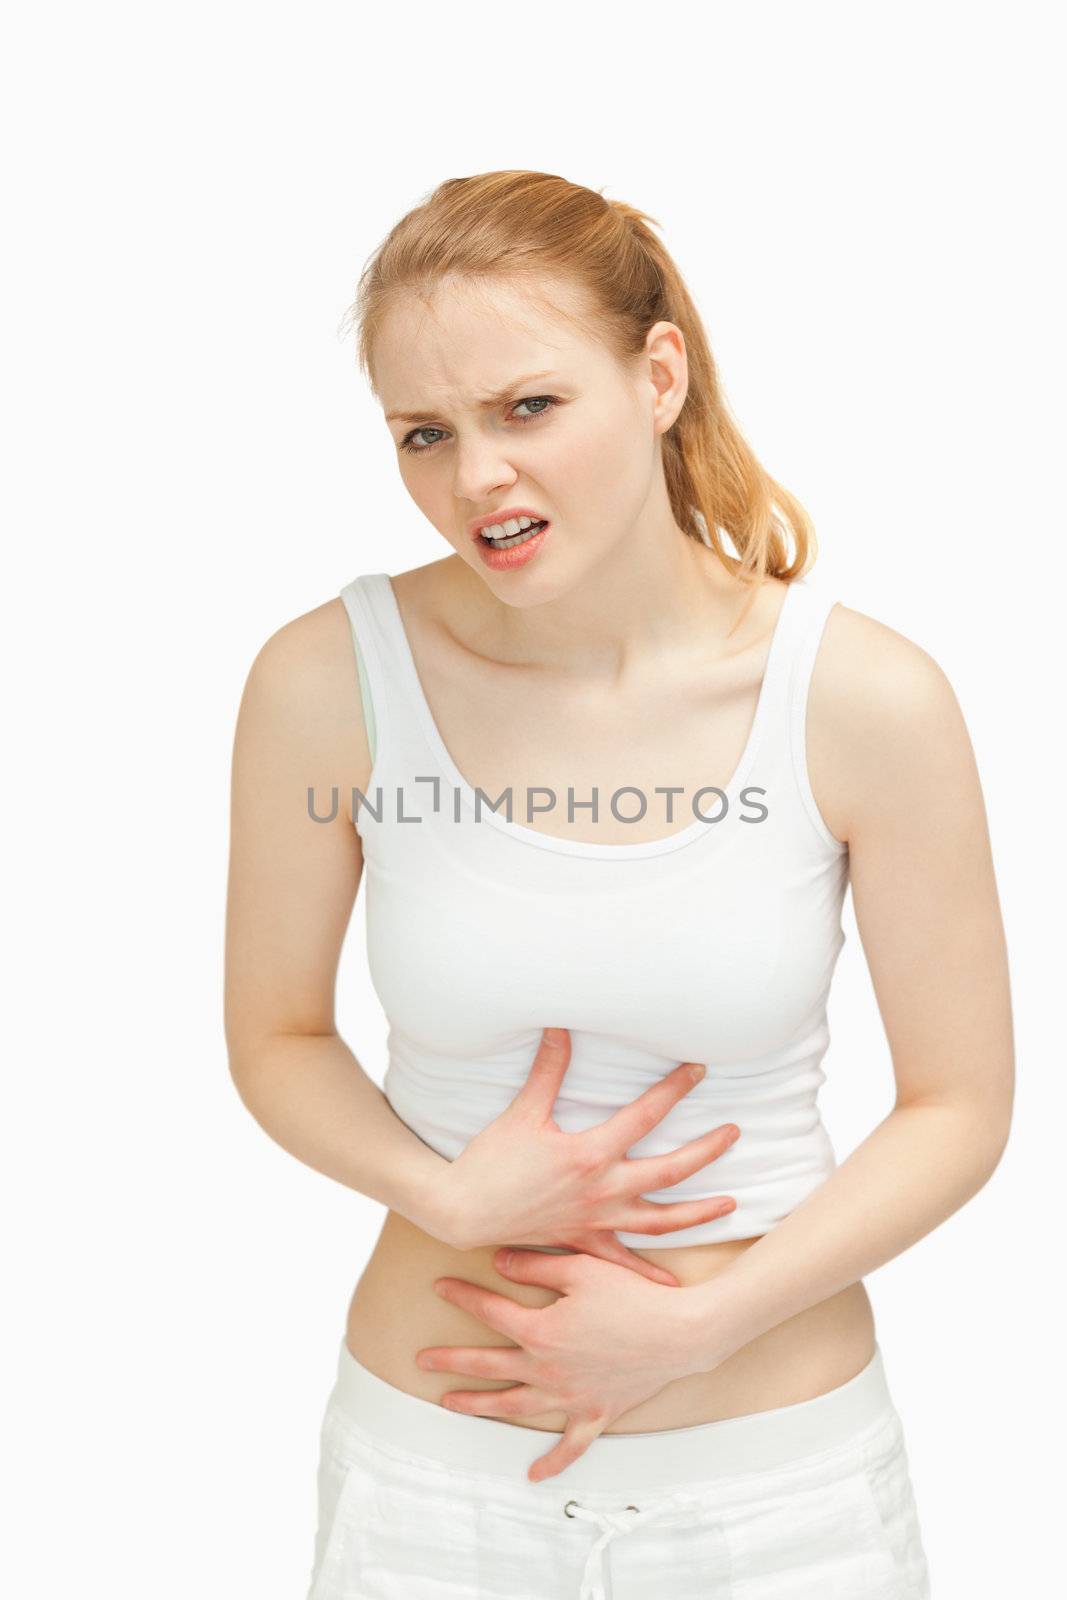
(805, 1502)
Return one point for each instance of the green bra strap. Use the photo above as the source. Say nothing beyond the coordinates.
(368, 707)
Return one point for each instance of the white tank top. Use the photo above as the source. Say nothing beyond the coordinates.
(716, 943)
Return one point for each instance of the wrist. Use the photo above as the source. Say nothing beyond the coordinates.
(433, 1203)
(704, 1336)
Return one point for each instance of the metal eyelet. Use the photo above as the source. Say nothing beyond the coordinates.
(570, 1514)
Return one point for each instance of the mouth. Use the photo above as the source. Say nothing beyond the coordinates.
(526, 531)
(508, 522)
(510, 551)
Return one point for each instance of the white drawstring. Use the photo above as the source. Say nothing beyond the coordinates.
(615, 1523)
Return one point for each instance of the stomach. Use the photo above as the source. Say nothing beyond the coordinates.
(394, 1312)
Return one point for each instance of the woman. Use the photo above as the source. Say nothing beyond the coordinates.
(609, 783)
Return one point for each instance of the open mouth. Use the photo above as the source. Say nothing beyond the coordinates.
(515, 538)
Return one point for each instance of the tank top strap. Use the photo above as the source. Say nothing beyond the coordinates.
(770, 732)
(804, 614)
(810, 612)
(808, 606)
(389, 703)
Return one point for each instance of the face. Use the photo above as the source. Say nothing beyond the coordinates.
(494, 401)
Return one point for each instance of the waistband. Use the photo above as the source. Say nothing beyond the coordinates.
(760, 1441)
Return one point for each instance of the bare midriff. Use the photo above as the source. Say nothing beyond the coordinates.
(395, 1312)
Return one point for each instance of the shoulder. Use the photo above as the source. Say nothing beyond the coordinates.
(307, 667)
(301, 695)
(304, 657)
(883, 721)
(864, 668)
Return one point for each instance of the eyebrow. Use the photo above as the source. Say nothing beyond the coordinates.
(486, 402)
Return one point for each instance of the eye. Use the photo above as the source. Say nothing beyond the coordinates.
(545, 400)
(548, 401)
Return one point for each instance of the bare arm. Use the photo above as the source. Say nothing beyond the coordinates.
(892, 748)
(292, 885)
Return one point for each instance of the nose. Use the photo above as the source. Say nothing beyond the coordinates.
(481, 472)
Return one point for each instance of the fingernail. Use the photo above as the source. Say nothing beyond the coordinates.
(503, 1260)
(696, 1072)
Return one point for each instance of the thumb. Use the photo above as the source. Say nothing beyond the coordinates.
(577, 1436)
(538, 1093)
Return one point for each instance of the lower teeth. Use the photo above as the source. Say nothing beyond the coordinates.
(516, 538)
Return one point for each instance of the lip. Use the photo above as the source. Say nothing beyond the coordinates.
(475, 528)
(517, 556)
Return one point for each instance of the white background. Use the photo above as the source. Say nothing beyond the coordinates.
(864, 200)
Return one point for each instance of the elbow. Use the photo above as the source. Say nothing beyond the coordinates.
(990, 1141)
(244, 1056)
(240, 1076)
(1000, 1142)
(256, 1058)
(249, 1044)
(973, 1136)
(998, 1114)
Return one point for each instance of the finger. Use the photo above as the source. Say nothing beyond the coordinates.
(655, 1218)
(475, 1361)
(607, 1248)
(577, 1437)
(631, 1122)
(539, 1093)
(663, 1172)
(532, 1266)
(523, 1400)
(495, 1310)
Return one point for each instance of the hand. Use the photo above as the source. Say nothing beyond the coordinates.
(524, 1180)
(608, 1342)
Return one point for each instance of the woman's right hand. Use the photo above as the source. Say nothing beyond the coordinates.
(523, 1181)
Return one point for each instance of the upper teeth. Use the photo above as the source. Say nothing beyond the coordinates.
(508, 530)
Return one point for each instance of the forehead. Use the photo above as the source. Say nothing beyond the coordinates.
(469, 341)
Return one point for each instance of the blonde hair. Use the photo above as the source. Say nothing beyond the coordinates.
(532, 226)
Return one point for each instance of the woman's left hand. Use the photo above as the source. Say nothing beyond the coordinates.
(612, 1339)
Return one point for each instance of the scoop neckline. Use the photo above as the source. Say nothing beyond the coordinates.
(580, 847)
